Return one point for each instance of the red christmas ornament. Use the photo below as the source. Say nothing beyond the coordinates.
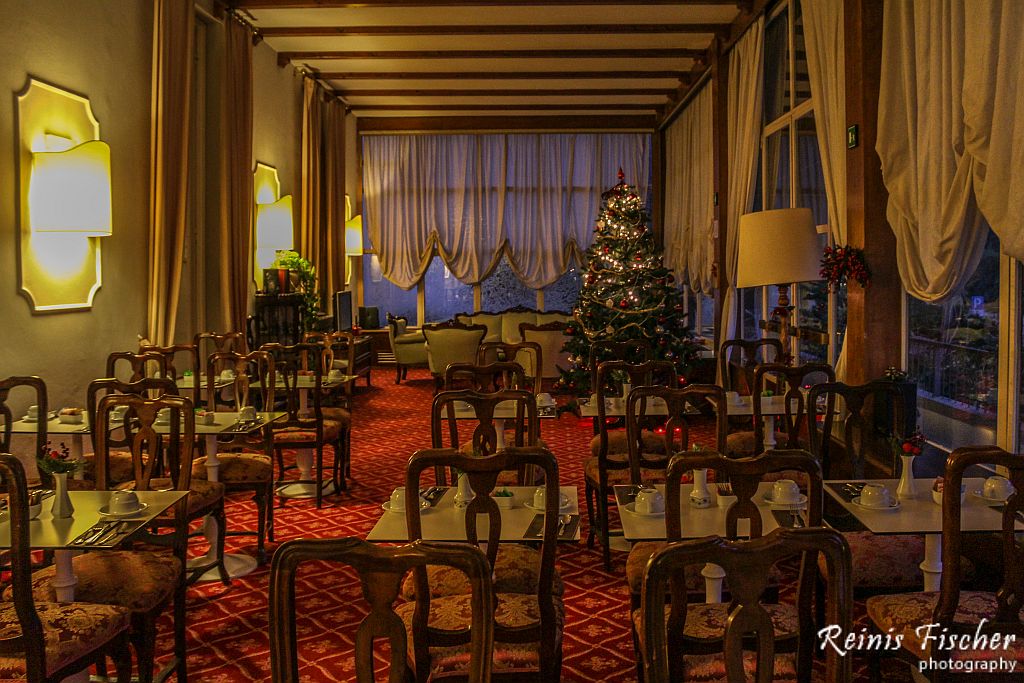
(623, 304)
(607, 250)
(662, 319)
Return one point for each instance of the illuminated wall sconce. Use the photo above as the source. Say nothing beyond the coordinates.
(274, 230)
(69, 190)
(353, 244)
(64, 194)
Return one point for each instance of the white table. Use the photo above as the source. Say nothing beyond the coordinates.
(506, 410)
(921, 515)
(47, 533)
(697, 523)
(445, 522)
(75, 433)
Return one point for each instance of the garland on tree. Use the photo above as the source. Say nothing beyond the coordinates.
(627, 293)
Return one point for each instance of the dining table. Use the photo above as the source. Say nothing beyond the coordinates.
(505, 410)
(919, 514)
(443, 520)
(698, 522)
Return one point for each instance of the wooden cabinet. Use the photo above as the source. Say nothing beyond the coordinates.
(275, 318)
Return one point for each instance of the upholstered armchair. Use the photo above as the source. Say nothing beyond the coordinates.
(451, 342)
(409, 347)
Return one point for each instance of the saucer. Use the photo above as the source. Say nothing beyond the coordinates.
(893, 505)
(980, 495)
(533, 507)
(799, 502)
(631, 508)
(386, 507)
(105, 511)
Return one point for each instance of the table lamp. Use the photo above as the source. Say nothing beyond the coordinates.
(778, 247)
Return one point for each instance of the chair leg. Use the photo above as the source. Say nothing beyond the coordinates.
(261, 497)
(602, 522)
(318, 476)
(398, 373)
(590, 515)
(143, 638)
(122, 656)
(270, 511)
(279, 452)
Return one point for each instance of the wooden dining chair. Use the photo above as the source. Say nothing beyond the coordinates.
(752, 352)
(310, 430)
(145, 581)
(751, 634)
(45, 641)
(484, 438)
(631, 351)
(958, 613)
(36, 386)
(380, 571)
(526, 354)
(179, 358)
(131, 366)
(246, 462)
(790, 380)
(744, 475)
(337, 344)
(529, 613)
(608, 463)
(207, 343)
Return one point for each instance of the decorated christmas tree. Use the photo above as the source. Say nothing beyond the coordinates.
(627, 292)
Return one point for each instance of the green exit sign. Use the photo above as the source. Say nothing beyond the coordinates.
(852, 136)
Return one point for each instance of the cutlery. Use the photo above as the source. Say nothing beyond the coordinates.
(798, 522)
(91, 534)
(110, 532)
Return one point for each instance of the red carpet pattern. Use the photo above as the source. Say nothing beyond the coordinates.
(227, 626)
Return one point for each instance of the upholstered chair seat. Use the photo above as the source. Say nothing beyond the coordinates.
(303, 434)
(237, 468)
(513, 610)
(120, 468)
(515, 571)
(591, 471)
(883, 562)
(201, 494)
(71, 631)
(641, 552)
(340, 415)
(617, 443)
(741, 444)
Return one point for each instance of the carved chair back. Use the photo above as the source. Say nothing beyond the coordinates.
(255, 366)
(140, 365)
(527, 355)
(36, 385)
(792, 378)
(177, 359)
(381, 570)
(748, 565)
(99, 388)
(631, 351)
(486, 377)
(292, 362)
(752, 353)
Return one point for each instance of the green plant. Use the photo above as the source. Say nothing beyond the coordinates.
(307, 284)
(56, 461)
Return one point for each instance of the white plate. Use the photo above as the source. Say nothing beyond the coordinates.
(631, 508)
(977, 493)
(533, 507)
(104, 510)
(386, 507)
(894, 505)
(800, 502)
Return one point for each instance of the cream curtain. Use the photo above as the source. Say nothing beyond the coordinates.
(690, 192)
(332, 273)
(993, 107)
(173, 29)
(921, 142)
(312, 244)
(236, 177)
(743, 126)
(476, 197)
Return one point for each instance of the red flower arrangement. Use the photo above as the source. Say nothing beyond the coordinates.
(911, 445)
(56, 461)
(840, 264)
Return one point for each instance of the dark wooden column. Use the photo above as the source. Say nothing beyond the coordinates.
(658, 185)
(719, 106)
(874, 318)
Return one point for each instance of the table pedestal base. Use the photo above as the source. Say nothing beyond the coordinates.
(237, 565)
(302, 489)
(932, 565)
(713, 575)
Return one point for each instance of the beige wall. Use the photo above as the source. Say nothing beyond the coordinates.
(103, 51)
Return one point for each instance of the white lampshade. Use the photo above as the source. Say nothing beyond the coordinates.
(777, 247)
(354, 236)
(69, 191)
(273, 230)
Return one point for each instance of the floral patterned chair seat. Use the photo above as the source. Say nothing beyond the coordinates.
(237, 468)
(70, 631)
(515, 571)
(653, 443)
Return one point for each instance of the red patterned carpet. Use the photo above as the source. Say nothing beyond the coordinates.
(227, 631)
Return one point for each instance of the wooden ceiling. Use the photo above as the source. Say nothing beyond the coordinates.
(544, 63)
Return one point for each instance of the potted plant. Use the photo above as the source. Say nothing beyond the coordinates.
(306, 275)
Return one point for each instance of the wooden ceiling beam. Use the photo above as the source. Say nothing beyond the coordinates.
(377, 4)
(284, 58)
(496, 75)
(451, 123)
(490, 106)
(504, 92)
(491, 30)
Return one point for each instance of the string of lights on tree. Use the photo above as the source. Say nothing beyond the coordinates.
(627, 292)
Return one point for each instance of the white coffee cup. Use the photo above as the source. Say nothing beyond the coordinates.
(398, 499)
(649, 501)
(875, 496)
(545, 399)
(785, 492)
(123, 502)
(163, 416)
(33, 413)
(247, 413)
(997, 488)
(540, 498)
(227, 374)
(118, 413)
(733, 397)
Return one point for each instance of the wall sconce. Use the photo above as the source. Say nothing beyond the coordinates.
(273, 230)
(354, 236)
(69, 190)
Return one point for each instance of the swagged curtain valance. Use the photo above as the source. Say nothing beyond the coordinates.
(532, 197)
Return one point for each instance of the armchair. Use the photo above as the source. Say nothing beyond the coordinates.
(409, 347)
(451, 343)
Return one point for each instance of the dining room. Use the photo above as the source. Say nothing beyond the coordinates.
(512, 339)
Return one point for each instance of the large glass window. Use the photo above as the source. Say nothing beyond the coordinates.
(444, 295)
(502, 289)
(563, 294)
(952, 355)
(388, 297)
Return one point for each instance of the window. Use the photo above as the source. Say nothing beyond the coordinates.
(388, 297)
(952, 355)
(502, 289)
(563, 294)
(445, 294)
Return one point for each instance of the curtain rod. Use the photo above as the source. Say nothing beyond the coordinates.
(477, 131)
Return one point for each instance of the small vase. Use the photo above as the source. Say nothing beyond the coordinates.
(907, 488)
(464, 494)
(62, 507)
(700, 496)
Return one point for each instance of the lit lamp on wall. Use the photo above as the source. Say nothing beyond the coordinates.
(273, 230)
(353, 243)
(69, 190)
(778, 247)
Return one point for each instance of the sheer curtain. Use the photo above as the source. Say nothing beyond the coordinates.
(744, 130)
(173, 31)
(532, 197)
(689, 193)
